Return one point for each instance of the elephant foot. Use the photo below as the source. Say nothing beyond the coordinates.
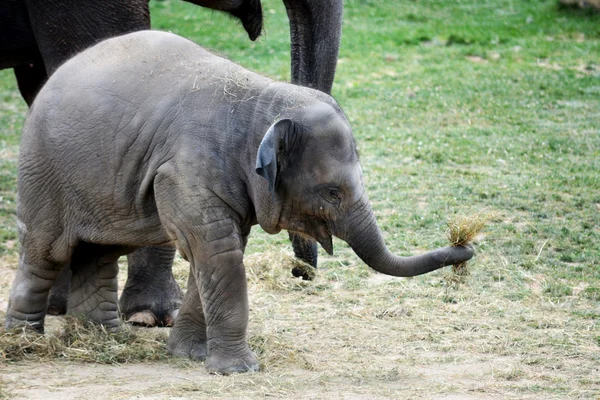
(148, 319)
(151, 296)
(59, 294)
(12, 323)
(59, 298)
(226, 364)
(188, 348)
(144, 310)
(109, 320)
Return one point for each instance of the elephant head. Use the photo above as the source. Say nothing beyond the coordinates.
(316, 189)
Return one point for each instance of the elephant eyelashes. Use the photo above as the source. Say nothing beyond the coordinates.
(331, 194)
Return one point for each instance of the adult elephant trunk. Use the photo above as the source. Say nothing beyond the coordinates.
(315, 30)
(361, 232)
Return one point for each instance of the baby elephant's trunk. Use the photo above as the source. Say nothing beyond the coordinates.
(361, 232)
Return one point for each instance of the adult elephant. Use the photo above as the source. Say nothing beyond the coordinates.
(37, 36)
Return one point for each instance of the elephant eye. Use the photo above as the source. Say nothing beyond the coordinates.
(331, 194)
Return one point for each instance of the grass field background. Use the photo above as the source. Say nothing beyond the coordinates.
(458, 107)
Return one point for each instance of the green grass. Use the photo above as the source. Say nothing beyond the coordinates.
(457, 107)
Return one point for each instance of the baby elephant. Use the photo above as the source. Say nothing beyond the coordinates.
(147, 139)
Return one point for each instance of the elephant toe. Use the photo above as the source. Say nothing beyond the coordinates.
(144, 311)
(143, 318)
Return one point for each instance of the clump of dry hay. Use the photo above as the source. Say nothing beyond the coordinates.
(83, 341)
(462, 231)
(275, 353)
(273, 270)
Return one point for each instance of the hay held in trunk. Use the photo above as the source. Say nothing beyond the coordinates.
(462, 230)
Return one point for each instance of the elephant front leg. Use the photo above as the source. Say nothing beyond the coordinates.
(29, 294)
(94, 284)
(225, 299)
(151, 296)
(188, 336)
(216, 310)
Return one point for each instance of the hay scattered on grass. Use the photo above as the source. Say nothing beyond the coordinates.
(272, 270)
(83, 341)
(275, 353)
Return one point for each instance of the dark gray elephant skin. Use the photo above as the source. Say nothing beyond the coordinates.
(37, 36)
(147, 139)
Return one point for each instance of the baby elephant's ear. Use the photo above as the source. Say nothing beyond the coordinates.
(266, 159)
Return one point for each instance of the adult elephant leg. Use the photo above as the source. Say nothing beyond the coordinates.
(305, 250)
(315, 30)
(94, 283)
(30, 79)
(151, 296)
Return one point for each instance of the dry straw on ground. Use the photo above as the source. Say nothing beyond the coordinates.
(83, 341)
(271, 270)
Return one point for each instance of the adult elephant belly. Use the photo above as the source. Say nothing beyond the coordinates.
(17, 43)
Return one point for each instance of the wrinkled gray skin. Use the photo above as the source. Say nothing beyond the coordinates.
(146, 140)
(37, 36)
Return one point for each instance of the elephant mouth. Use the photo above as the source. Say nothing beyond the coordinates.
(317, 230)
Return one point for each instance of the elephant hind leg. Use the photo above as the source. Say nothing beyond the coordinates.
(29, 293)
(94, 283)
